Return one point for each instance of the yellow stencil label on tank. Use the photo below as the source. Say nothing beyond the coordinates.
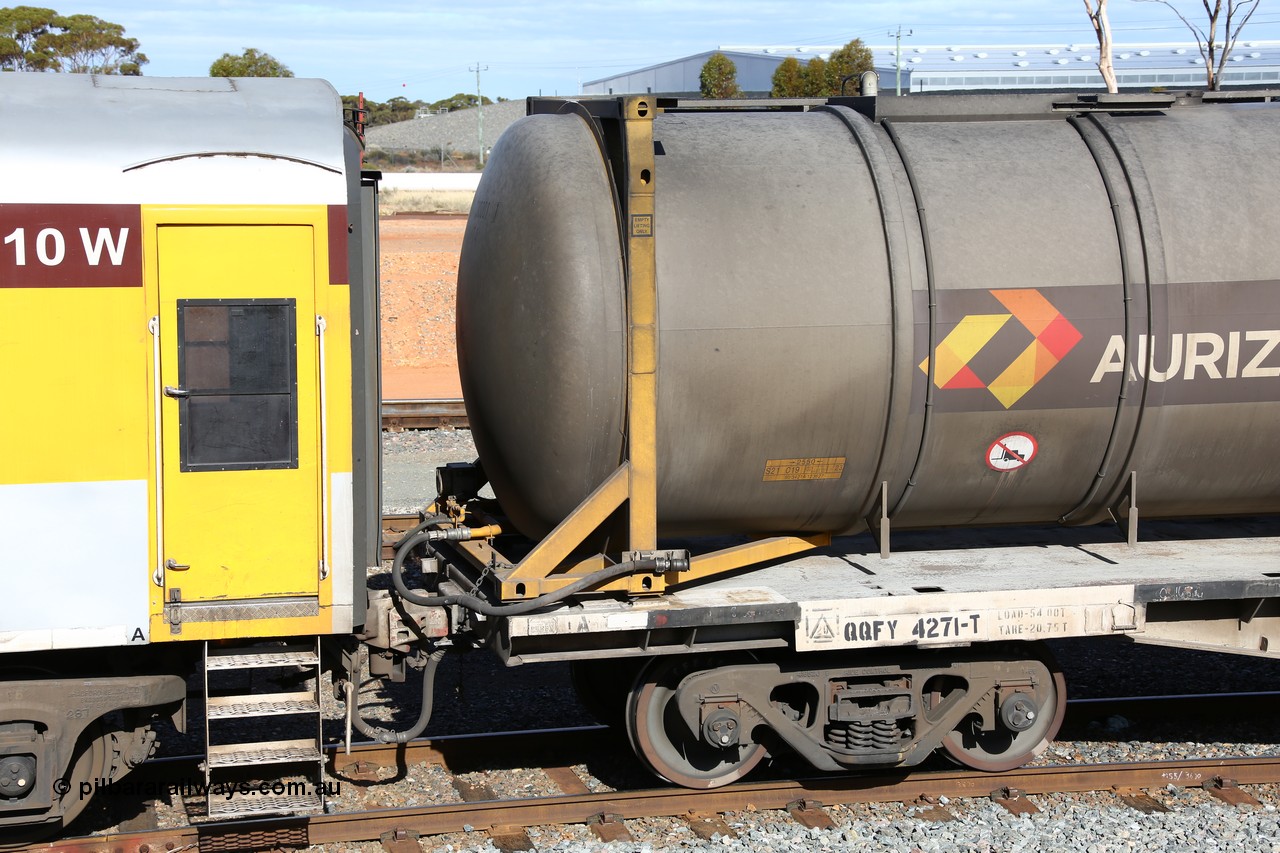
(812, 468)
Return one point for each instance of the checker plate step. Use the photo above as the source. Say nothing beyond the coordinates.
(268, 752)
(284, 656)
(253, 804)
(261, 705)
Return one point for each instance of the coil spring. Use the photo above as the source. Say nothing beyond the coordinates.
(869, 735)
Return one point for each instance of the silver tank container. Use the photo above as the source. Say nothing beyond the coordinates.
(996, 310)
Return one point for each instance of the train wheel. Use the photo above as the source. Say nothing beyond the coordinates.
(1027, 720)
(89, 762)
(663, 741)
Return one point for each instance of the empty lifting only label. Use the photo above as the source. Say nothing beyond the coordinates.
(812, 468)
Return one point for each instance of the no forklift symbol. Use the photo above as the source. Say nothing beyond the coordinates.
(1011, 452)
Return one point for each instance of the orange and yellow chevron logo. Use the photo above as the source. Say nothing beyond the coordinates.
(1053, 337)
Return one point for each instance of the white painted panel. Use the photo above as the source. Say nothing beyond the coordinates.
(948, 619)
(220, 179)
(342, 554)
(73, 564)
(114, 140)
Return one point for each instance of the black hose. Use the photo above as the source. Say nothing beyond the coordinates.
(429, 521)
(479, 605)
(424, 713)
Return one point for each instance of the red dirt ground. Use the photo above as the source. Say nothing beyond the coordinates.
(419, 275)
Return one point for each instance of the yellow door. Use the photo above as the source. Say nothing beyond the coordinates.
(239, 412)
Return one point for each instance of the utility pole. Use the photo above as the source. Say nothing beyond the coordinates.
(897, 55)
(479, 111)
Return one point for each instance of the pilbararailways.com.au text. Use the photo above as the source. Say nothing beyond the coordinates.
(226, 790)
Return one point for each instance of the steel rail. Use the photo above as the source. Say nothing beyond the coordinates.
(879, 787)
(570, 746)
(424, 413)
(812, 793)
(394, 527)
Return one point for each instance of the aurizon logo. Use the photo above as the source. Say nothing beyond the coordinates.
(1052, 337)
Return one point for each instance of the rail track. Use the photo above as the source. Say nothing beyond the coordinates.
(804, 799)
(555, 752)
(423, 414)
(393, 527)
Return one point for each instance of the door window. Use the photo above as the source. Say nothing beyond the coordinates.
(238, 408)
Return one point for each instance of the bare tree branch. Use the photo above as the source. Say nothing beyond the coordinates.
(1233, 35)
(1214, 53)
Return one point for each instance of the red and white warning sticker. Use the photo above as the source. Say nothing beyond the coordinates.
(1012, 451)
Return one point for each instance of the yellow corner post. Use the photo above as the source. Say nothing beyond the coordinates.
(642, 316)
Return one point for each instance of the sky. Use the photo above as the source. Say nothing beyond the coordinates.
(428, 50)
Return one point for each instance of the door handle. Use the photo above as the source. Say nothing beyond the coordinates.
(170, 391)
(174, 565)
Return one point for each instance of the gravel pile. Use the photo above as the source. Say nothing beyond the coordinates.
(457, 131)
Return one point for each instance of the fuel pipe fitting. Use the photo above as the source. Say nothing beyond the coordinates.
(661, 561)
(461, 533)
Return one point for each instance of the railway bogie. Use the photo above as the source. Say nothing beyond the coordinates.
(703, 722)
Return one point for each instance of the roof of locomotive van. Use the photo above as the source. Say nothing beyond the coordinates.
(89, 138)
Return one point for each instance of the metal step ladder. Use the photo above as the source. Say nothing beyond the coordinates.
(293, 770)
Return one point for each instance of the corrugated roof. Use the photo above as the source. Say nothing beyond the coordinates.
(1161, 55)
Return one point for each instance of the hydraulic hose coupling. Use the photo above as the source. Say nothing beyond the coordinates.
(659, 562)
(462, 533)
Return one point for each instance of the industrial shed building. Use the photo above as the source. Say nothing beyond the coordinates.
(934, 68)
(680, 76)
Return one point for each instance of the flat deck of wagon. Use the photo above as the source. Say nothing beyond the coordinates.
(940, 588)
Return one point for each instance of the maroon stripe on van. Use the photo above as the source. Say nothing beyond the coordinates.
(338, 231)
(70, 245)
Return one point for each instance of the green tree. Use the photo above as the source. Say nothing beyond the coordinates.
(33, 38)
(401, 108)
(86, 44)
(719, 78)
(849, 62)
(396, 109)
(251, 63)
(21, 29)
(815, 78)
(460, 101)
(788, 79)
